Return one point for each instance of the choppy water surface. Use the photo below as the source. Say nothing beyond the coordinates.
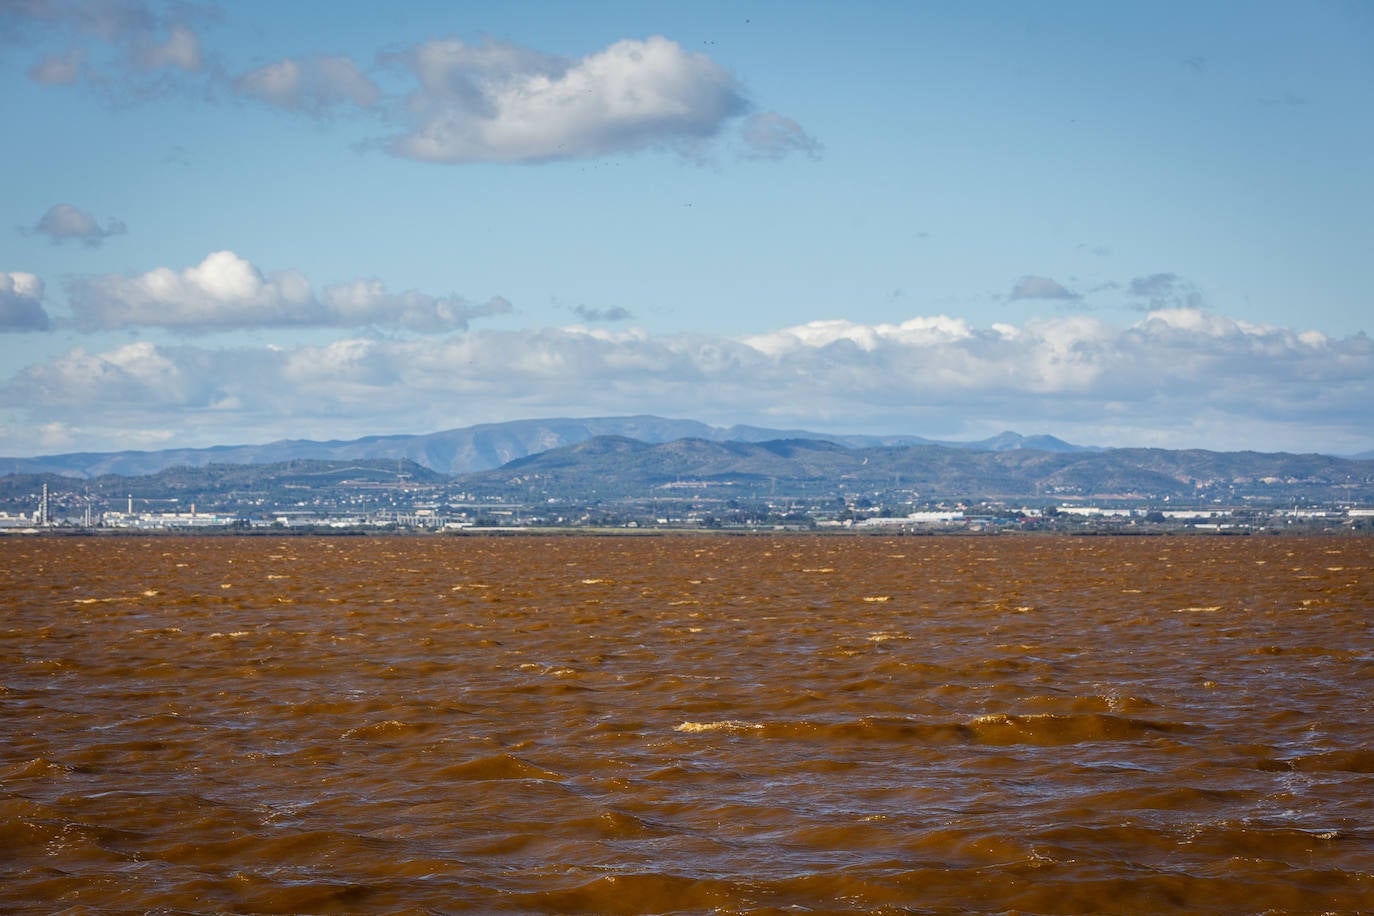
(687, 724)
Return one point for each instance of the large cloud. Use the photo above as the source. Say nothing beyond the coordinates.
(499, 102)
(487, 102)
(21, 303)
(1178, 378)
(226, 291)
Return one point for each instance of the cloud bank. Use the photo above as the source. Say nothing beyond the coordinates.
(225, 291)
(1177, 378)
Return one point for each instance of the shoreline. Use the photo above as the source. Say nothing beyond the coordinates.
(576, 532)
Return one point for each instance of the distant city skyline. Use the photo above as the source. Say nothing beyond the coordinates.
(1122, 225)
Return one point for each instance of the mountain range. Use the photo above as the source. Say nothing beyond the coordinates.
(617, 467)
(482, 447)
(528, 463)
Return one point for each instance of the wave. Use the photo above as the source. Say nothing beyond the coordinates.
(1041, 729)
(391, 728)
(496, 767)
(1358, 760)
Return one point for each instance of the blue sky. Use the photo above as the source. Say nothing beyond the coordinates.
(1123, 224)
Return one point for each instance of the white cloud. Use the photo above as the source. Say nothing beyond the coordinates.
(1178, 378)
(364, 302)
(63, 222)
(56, 436)
(312, 85)
(226, 291)
(915, 331)
(137, 373)
(21, 303)
(499, 102)
(223, 291)
(487, 102)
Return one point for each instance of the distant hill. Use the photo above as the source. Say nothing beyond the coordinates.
(611, 468)
(474, 448)
(617, 467)
(212, 480)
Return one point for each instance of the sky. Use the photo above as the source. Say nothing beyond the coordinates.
(1120, 224)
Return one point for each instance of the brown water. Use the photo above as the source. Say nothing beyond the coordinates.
(687, 724)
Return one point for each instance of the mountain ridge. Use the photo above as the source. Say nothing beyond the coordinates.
(634, 475)
(612, 466)
(480, 447)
